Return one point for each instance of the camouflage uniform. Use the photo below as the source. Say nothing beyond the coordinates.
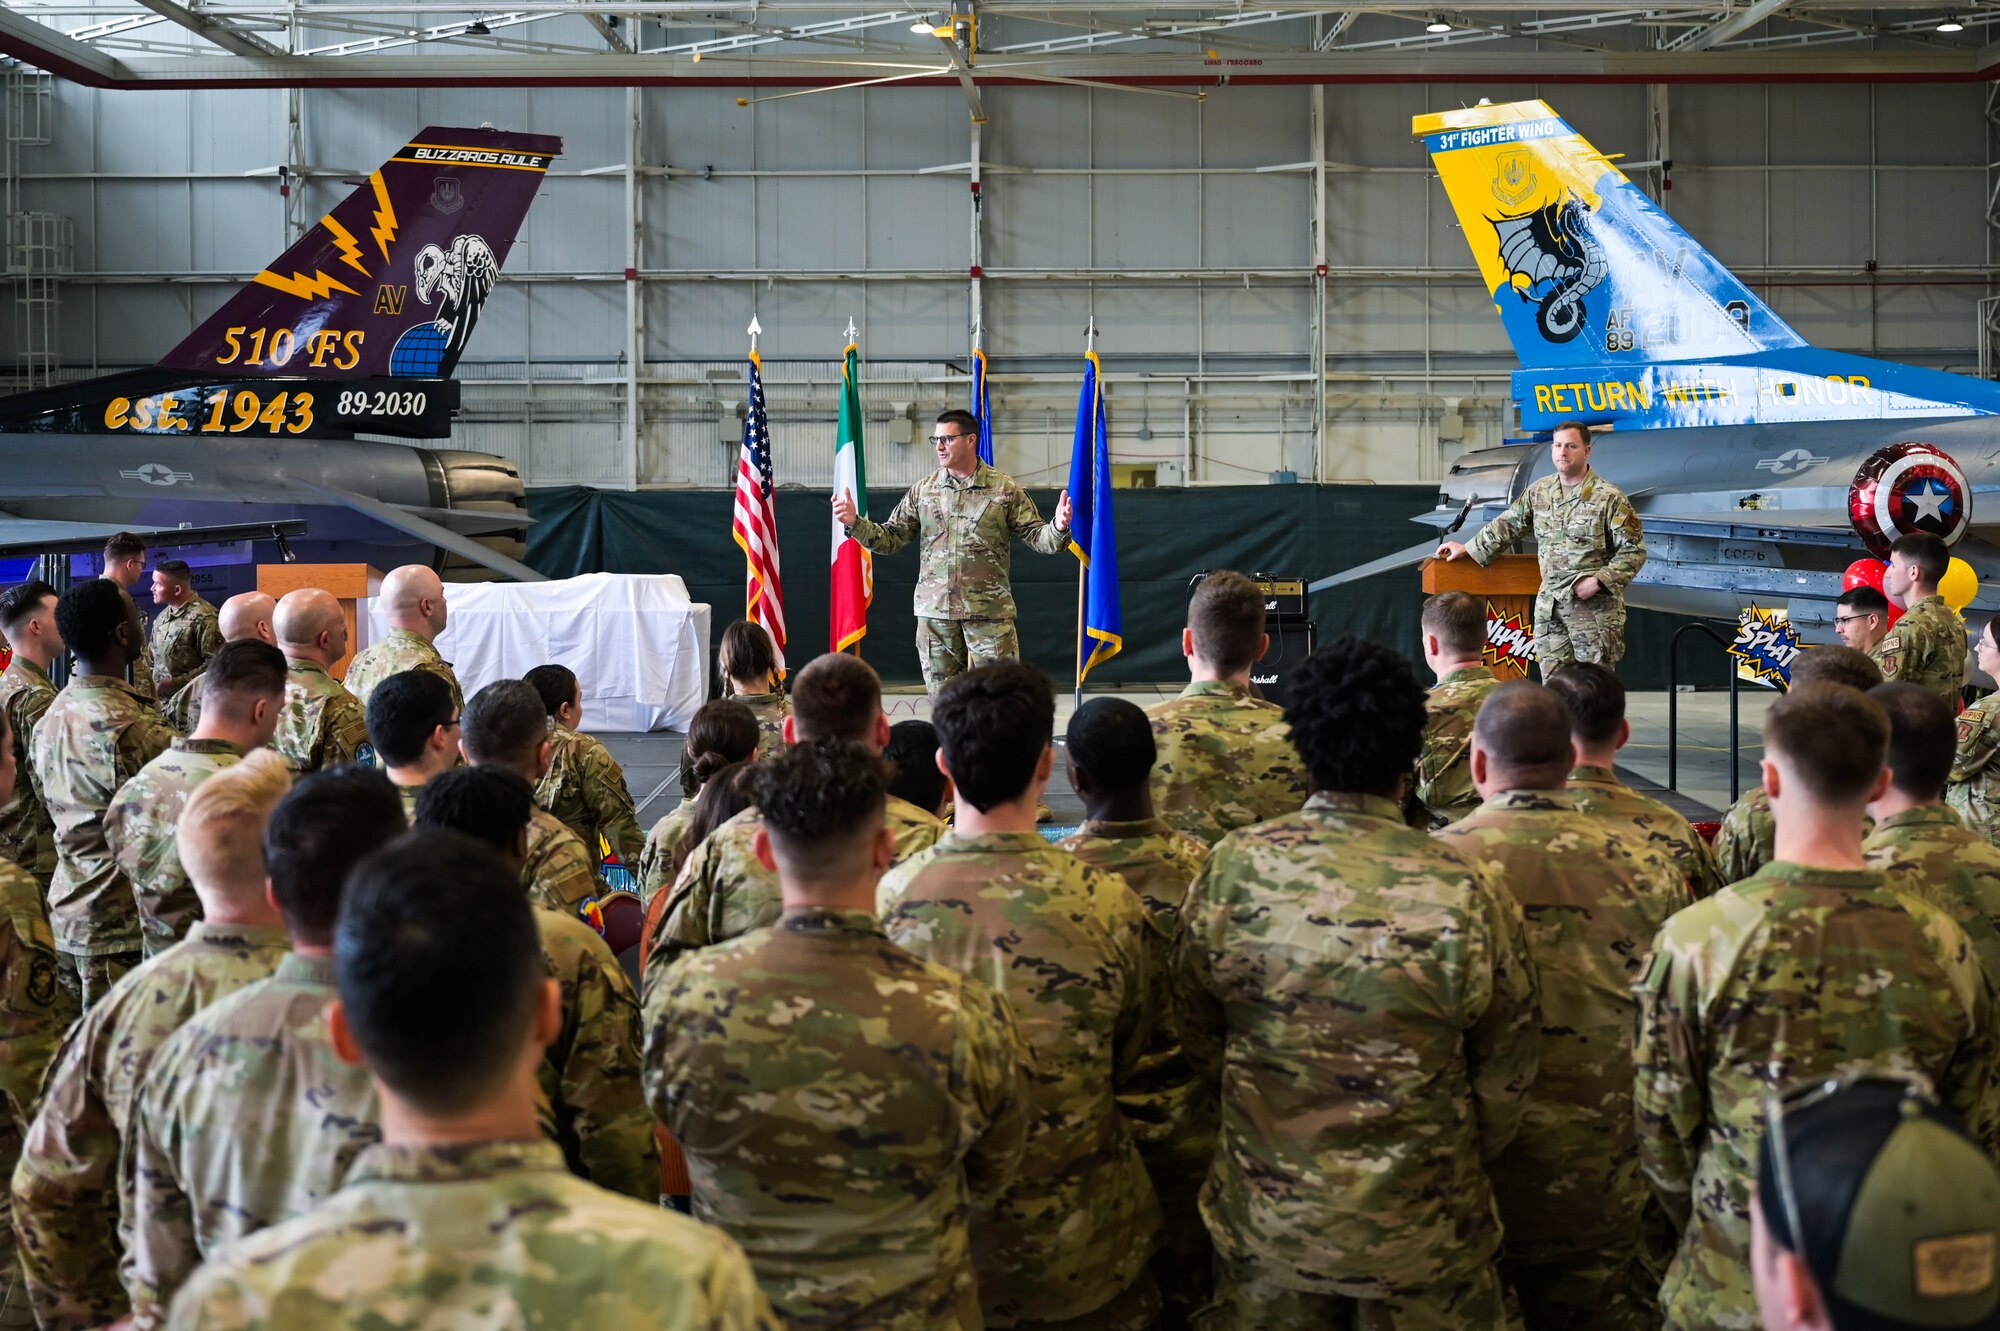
(68, 1207)
(322, 724)
(585, 789)
(1444, 767)
(27, 835)
(297, 1116)
(485, 1234)
(844, 1107)
(184, 637)
(1791, 975)
(724, 891)
(1174, 1130)
(558, 872)
(400, 650)
(1591, 531)
(140, 674)
(1927, 647)
(1927, 854)
(96, 736)
(142, 827)
(34, 1009)
(1069, 948)
(183, 710)
(1974, 791)
(590, 1072)
(409, 794)
(964, 602)
(1601, 794)
(1226, 760)
(660, 862)
(1570, 1193)
(1363, 998)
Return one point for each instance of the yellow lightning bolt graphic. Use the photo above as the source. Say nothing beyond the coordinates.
(384, 229)
(350, 248)
(305, 288)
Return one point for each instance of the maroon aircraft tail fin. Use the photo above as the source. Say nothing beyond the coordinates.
(392, 280)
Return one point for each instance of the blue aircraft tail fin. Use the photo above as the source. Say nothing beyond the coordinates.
(1584, 269)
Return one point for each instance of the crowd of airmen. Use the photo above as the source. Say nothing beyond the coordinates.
(1392, 1009)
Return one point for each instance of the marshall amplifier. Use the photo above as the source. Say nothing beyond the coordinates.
(1291, 643)
(1284, 598)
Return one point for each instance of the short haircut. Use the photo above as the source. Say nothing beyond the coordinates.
(1595, 699)
(489, 804)
(1927, 552)
(723, 732)
(1458, 619)
(836, 696)
(821, 800)
(177, 570)
(1832, 739)
(746, 652)
(504, 723)
(403, 710)
(123, 545)
(440, 969)
(1111, 742)
(221, 831)
(994, 723)
(22, 600)
(1226, 613)
(243, 671)
(1525, 727)
(913, 771)
(556, 684)
(967, 423)
(1572, 424)
(723, 796)
(1923, 738)
(1836, 665)
(329, 822)
(1357, 716)
(88, 616)
(1865, 601)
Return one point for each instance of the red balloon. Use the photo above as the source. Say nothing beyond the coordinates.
(1864, 573)
(1895, 613)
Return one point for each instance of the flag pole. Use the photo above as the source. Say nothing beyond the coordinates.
(1082, 571)
(853, 336)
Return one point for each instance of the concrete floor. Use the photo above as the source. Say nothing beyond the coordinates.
(652, 762)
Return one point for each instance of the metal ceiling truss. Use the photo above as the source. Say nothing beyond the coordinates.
(1160, 45)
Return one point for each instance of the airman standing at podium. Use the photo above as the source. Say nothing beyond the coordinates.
(1590, 545)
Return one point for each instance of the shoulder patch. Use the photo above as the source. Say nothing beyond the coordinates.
(365, 755)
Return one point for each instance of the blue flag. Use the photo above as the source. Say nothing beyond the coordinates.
(1092, 538)
(982, 405)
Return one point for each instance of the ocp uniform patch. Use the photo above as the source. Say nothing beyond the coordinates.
(42, 979)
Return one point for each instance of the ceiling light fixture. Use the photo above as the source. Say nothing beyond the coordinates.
(1950, 25)
(1437, 24)
(479, 29)
(922, 27)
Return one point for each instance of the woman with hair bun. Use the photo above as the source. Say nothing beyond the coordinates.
(722, 733)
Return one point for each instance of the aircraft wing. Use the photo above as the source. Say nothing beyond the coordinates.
(45, 536)
(1829, 527)
(1388, 563)
(423, 529)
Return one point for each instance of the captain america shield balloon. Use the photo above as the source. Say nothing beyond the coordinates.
(1908, 487)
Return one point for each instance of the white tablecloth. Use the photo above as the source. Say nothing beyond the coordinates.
(638, 645)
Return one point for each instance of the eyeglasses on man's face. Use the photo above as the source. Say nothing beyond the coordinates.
(946, 438)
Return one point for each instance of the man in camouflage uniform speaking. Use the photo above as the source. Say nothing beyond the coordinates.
(1588, 539)
(966, 514)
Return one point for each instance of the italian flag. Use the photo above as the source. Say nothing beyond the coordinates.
(853, 567)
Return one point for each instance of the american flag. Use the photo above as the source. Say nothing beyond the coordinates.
(756, 520)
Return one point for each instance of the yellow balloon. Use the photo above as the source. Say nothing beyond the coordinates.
(1958, 585)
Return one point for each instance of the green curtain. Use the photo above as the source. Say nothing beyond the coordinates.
(1165, 538)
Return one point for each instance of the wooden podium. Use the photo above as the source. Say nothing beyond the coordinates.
(1508, 586)
(347, 583)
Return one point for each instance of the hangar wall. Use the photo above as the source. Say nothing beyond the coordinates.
(1186, 231)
